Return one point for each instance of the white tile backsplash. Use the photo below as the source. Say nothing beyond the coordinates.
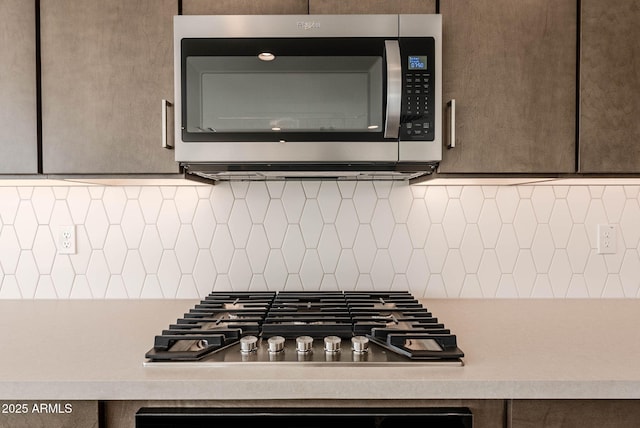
(456, 241)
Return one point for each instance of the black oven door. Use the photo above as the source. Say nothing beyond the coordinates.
(193, 417)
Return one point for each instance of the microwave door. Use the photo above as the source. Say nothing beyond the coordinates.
(313, 90)
(394, 88)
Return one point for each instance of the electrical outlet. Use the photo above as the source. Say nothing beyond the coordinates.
(67, 239)
(607, 239)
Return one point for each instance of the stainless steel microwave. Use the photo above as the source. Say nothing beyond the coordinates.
(308, 96)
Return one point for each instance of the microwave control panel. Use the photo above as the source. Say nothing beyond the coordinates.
(417, 119)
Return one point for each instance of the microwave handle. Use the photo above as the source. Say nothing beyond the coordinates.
(394, 88)
(165, 123)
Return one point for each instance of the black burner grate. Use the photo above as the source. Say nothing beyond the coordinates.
(394, 320)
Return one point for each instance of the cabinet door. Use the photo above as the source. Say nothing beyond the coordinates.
(371, 6)
(49, 414)
(511, 68)
(609, 87)
(106, 66)
(243, 7)
(574, 413)
(18, 126)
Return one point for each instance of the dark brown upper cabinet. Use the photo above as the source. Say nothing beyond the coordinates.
(244, 7)
(610, 87)
(510, 66)
(18, 112)
(106, 67)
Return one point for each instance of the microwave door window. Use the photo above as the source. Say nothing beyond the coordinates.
(286, 94)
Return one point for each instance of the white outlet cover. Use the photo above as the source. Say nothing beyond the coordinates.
(66, 239)
(607, 239)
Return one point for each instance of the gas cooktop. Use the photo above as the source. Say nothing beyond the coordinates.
(355, 327)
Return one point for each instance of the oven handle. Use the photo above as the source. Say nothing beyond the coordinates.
(394, 88)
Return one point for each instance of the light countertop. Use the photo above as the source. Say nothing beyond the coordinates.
(94, 350)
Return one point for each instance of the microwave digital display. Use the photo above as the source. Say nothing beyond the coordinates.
(417, 62)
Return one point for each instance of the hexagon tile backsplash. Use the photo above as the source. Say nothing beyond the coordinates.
(157, 241)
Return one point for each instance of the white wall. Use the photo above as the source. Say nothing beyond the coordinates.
(157, 241)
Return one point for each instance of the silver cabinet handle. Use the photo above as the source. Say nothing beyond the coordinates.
(452, 124)
(165, 131)
(394, 88)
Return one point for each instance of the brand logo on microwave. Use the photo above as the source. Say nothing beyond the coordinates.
(307, 25)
